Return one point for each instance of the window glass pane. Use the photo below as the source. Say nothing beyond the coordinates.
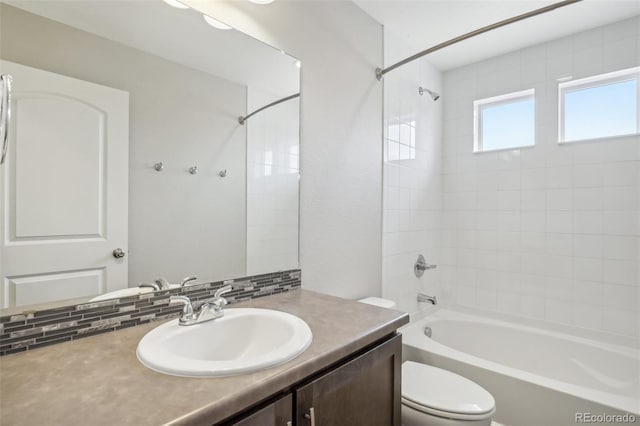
(394, 132)
(601, 111)
(394, 151)
(508, 125)
(400, 142)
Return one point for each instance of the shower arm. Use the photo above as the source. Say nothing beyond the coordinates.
(380, 72)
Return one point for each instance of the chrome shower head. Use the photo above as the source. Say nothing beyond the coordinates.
(434, 95)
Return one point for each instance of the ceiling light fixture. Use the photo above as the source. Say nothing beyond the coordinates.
(176, 3)
(215, 23)
(261, 1)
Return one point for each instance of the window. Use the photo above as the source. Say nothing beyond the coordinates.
(401, 140)
(504, 122)
(599, 107)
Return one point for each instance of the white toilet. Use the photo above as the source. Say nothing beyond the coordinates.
(432, 396)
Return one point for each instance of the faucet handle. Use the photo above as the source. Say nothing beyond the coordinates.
(217, 303)
(162, 283)
(187, 279)
(222, 290)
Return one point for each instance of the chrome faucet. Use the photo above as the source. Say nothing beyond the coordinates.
(424, 298)
(209, 310)
(421, 265)
(161, 283)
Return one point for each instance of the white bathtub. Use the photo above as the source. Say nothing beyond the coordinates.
(538, 377)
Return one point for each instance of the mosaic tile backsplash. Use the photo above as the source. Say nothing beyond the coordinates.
(30, 330)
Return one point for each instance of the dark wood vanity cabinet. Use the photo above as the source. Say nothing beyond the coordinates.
(278, 413)
(363, 390)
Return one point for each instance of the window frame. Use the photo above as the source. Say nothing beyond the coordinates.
(594, 81)
(410, 145)
(480, 104)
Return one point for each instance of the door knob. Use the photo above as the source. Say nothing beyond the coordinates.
(119, 253)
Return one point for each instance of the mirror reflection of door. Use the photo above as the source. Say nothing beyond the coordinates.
(64, 188)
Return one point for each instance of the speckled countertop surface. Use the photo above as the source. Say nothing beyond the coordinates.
(99, 380)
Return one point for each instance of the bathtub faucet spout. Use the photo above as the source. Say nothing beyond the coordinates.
(424, 298)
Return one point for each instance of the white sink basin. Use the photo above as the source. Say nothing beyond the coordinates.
(242, 341)
(125, 292)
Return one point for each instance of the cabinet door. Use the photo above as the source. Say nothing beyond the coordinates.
(363, 392)
(278, 413)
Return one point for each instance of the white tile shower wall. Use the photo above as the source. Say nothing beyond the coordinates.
(412, 179)
(549, 232)
(272, 184)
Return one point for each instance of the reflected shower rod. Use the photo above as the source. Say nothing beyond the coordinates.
(241, 120)
(380, 72)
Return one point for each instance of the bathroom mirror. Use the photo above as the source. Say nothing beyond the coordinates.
(127, 160)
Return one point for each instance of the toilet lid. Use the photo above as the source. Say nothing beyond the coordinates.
(444, 391)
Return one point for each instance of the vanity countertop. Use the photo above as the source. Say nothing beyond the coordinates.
(99, 381)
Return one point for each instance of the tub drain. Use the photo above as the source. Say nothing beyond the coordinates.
(427, 331)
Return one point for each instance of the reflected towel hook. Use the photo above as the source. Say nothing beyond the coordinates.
(222, 173)
(193, 170)
(158, 166)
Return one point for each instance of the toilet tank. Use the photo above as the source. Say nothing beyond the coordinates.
(377, 301)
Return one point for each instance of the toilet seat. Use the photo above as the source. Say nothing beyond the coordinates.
(442, 393)
(447, 414)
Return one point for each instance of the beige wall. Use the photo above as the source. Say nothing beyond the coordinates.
(179, 224)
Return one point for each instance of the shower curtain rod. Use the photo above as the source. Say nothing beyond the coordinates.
(380, 72)
(241, 120)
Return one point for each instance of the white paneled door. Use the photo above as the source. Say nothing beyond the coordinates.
(64, 189)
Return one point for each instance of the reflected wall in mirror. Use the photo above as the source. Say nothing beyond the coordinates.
(125, 135)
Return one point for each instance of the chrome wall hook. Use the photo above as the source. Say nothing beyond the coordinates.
(193, 170)
(158, 166)
(222, 173)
